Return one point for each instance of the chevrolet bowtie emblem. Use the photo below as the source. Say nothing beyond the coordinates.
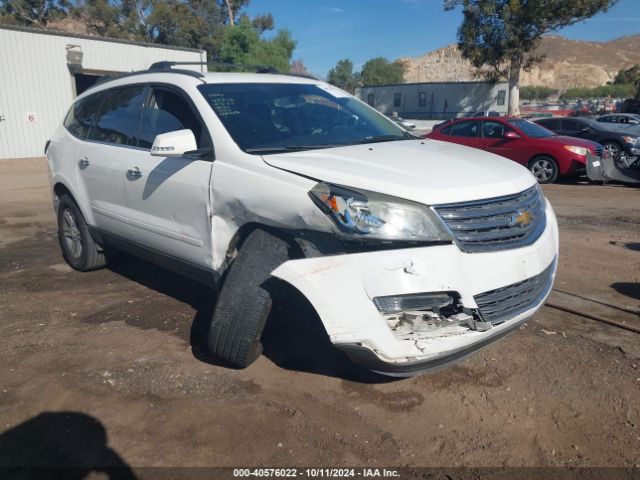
(522, 218)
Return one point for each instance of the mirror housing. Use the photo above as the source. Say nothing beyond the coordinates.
(511, 135)
(174, 144)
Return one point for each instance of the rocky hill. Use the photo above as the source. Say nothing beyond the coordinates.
(568, 63)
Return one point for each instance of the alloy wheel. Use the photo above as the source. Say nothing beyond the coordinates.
(72, 235)
(542, 169)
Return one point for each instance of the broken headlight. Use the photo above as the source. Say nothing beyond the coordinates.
(377, 216)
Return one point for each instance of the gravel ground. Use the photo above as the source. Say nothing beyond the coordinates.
(103, 368)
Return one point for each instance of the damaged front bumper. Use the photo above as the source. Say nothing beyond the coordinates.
(490, 294)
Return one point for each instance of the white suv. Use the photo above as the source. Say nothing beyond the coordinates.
(414, 253)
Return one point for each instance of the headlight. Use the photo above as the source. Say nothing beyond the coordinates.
(577, 150)
(631, 139)
(359, 214)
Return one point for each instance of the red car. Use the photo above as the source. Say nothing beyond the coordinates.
(543, 152)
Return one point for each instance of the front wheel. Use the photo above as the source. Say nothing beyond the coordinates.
(245, 301)
(545, 169)
(614, 150)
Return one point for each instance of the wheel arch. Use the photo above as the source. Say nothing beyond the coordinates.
(543, 154)
(60, 188)
(241, 235)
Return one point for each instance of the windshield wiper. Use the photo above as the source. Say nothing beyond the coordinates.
(383, 138)
(286, 148)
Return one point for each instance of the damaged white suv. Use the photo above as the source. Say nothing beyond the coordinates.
(414, 253)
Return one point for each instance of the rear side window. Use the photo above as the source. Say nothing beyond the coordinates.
(571, 125)
(551, 123)
(464, 129)
(82, 115)
(167, 111)
(119, 117)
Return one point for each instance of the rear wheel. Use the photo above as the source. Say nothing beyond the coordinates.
(78, 247)
(545, 169)
(245, 302)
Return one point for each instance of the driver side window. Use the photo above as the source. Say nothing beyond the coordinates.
(166, 111)
(493, 130)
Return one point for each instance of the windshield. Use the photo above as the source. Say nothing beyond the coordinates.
(531, 129)
(273, 117)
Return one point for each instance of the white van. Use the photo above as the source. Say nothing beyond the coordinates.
(414, 252)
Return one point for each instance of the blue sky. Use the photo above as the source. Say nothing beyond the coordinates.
(327, 31)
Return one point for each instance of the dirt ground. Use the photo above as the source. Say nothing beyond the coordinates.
(104, 366)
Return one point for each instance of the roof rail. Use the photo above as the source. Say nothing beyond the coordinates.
(168, 65)
(163, 67)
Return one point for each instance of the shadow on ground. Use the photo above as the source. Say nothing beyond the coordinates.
(293, 339)
(630, 289)
(633, 246)
(60, 445)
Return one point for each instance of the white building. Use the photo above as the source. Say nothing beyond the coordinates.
(42, 71)
(437, 100)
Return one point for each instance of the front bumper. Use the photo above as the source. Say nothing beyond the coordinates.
(342, 287)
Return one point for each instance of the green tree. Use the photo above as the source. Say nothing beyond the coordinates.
(380, 71)
(32, 12)
(602, 91)
(503, 34)
(242, 44)
(103, 18)
(173, 22)
(262, 23)
(628, 76)
(342, 76)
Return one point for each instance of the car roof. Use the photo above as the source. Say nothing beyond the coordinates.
(179, 76)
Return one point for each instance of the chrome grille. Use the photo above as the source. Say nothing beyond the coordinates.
(499, 223)
(504, 303)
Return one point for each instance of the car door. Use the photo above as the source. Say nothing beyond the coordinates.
(168, 197)
(105, 122)
(492, 138)
(572, 127)
(465, 132)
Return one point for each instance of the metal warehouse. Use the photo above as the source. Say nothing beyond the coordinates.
(437, 100)
(42, 71)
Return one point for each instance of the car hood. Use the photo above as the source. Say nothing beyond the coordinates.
(426, 171)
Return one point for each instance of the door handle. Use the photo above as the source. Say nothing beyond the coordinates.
(134, 172)
(83, 162)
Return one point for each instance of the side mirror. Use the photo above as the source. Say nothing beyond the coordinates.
(174, 144)
(511, 135)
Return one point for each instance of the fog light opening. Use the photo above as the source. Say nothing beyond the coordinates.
(429, 315)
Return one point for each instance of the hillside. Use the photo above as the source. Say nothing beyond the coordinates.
(568, 63)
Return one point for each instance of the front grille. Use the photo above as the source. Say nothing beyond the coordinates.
(505, 303)
(499, 223)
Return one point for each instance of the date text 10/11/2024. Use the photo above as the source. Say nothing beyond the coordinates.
(315, 472)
